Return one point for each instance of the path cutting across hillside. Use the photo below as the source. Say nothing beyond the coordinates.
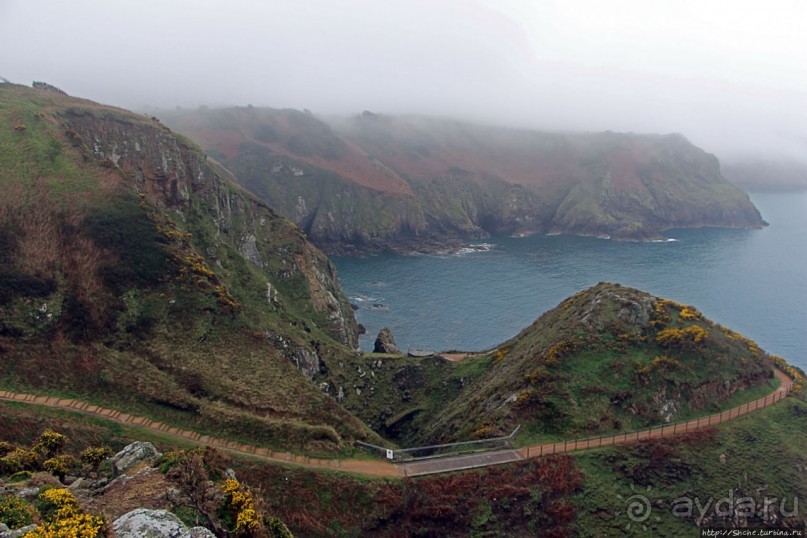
(413, 468)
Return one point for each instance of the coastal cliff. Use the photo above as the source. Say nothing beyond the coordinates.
(376, 182)
(133, 270)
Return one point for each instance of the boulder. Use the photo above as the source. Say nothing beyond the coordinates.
(385, 343)
(5, 532)
(134, 454)
(144, 523)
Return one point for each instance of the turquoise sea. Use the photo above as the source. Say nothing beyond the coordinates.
(752, 281)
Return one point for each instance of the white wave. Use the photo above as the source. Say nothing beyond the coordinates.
(361, 298)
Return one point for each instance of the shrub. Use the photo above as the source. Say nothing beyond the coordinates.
(539, 375)
(501, 353)
(49, 443)
(58, 466)
(94, 457)
(241, 506)
(661, 316)
(20, 476)
(17, 460)
(688, 313)
(559, 350)
(63, 517)
(15, 512)
(683, 338)
(663, 362)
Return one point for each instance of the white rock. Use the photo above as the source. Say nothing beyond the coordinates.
(134, 454)
(144, 523)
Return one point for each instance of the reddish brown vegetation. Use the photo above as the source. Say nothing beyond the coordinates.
(517, 499)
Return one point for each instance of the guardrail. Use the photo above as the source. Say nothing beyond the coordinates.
(654, 432)
(444, 450)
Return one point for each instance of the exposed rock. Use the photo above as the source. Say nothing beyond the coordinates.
(306, 361)
(385, 343)
(169, 174)
(249, 250)
(5, 532)
(134, 454)
(636, 311)
(28, 493)
(143, 523)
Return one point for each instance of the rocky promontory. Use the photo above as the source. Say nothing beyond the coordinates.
(376, 182)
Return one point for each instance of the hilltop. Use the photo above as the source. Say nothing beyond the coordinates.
(133, 272)
(608, 359)
(377, 182)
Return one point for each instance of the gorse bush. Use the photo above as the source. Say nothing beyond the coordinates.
(64, 518)
(49, 443)
(242, 505)
(95, 456)
(682, 338)
(58, 466)
(45, 455)
(15, 512)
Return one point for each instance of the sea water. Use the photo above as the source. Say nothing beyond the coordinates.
(752, 281)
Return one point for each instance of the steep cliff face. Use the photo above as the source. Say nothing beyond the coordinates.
(379, 182)
(132, 270)
(173, 175)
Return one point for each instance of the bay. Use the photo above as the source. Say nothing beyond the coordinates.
(752, 281)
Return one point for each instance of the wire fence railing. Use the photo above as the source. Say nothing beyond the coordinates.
(400, 455)
(443, 450)
(654, 432)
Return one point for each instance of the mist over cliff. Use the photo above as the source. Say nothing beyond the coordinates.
(730, 79)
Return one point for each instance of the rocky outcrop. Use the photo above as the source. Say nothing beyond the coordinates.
(140, 257)
(385, 342)
(144, 523)
(134, 454)
(172, 174)
(5, 532)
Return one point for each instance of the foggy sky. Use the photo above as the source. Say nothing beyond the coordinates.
(731, 75)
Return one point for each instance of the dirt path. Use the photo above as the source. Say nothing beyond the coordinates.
(414, 468)
(457, 357)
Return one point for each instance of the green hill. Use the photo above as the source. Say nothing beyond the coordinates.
(133, 272)
(608, 359)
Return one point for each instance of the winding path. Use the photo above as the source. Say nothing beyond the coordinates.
(412, 468)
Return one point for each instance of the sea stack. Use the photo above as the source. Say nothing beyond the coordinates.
(385, 343)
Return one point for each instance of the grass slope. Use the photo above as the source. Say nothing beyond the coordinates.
(132, 273)
(608, 359)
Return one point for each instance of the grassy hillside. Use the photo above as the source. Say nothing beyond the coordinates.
(378, 182)
(132, 272)
(608, 359)
(757, 457)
